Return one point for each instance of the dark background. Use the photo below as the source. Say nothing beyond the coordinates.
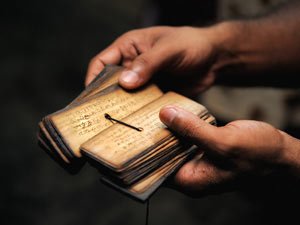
(45, 50)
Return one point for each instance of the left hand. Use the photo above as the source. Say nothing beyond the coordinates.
(187, 53)
(239, 149)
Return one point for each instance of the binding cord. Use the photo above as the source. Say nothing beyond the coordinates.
(147, 212)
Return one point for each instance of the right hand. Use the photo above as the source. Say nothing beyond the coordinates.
(177, 50)
(236, 154)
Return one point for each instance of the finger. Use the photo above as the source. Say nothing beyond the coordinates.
(190, 126)
(111, 55)
(200, 177)
(145, 65)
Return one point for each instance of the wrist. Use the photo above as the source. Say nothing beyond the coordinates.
(227, 41)
(240, 50)
(248, 52)
(236, 51)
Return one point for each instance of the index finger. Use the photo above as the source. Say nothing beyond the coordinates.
(110, 55)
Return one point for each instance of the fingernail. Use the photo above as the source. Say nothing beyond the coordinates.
(129, 77)
(168, 115)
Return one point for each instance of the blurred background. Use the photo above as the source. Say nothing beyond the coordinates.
(45, 50)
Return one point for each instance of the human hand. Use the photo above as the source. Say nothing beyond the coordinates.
(180, 50)
(240, 52)
(237, 150)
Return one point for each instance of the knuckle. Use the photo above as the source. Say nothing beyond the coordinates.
(127, 49)
(96, 61)
(93, 61)
(138, 38)
(129, 34)
(189, 129)
(142, 61)
(228, 145)
(127, 44)
(126, 35)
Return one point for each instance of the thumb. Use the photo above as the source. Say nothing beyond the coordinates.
(190, 126)
(144, 66)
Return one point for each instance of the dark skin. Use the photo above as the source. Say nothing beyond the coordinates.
(263, 51)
